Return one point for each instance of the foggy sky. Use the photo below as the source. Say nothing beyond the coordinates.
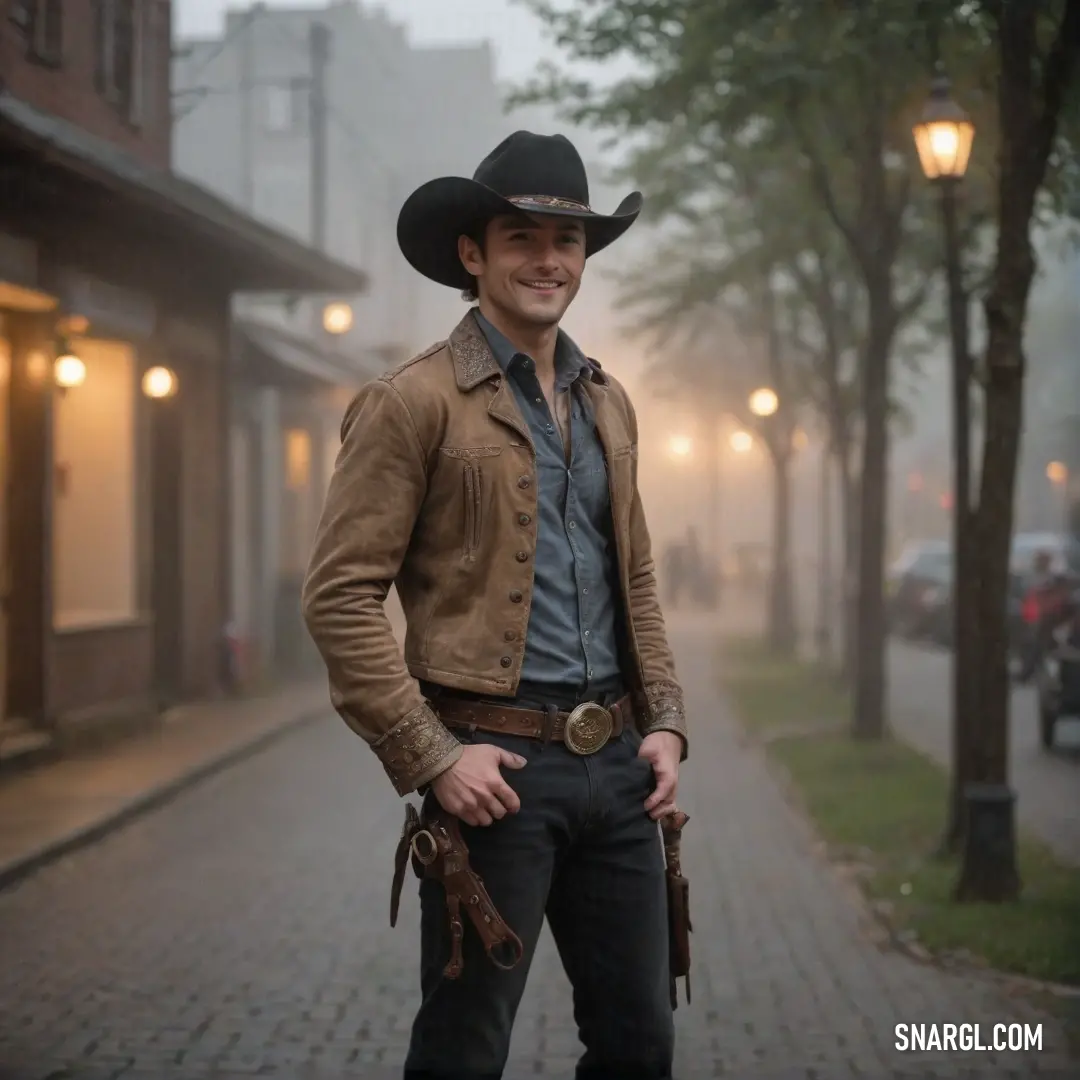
(517, 37)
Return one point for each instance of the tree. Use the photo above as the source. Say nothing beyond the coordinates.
(828, 86)
(740, 328)
(1037, 44)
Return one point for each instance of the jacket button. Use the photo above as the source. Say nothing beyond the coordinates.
(510, 635)
(523, 481)
(506, 661)
(524, 519)
(522, 556)
(515, 597)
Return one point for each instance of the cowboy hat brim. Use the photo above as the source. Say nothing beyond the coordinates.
(441, 210)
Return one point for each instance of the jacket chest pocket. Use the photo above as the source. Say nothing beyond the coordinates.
(474, 491)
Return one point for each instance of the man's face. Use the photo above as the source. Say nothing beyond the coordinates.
(531, 266)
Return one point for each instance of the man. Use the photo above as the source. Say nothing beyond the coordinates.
(493, 479)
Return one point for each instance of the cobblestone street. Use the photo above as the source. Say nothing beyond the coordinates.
(243, 929)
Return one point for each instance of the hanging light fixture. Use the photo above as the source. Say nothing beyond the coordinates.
(159, 382)
(68, 369)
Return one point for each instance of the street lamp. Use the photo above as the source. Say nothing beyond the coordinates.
(943, 135)
(159, 382)
(1057, 472)
(764, 402)
(680, 446)
(741, 441)
(337, 318)
(982, 814)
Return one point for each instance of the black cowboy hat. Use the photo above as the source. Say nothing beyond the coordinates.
(534, 174)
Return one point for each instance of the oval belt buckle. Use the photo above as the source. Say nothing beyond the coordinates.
(588, 728)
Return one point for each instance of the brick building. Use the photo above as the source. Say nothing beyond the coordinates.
(116, 279)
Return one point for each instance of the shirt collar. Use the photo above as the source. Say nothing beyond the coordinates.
(570, 361)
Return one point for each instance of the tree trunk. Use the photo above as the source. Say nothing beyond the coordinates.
(826, 617)
(868, 719)
(782, 631)
(989, 872)
(1031, 92)
(849, 613)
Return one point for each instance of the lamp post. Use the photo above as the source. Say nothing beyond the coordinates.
(337, 318)
(943, 139)
(741, 441)
(763, 402)
(1057, 472)
(980, 814)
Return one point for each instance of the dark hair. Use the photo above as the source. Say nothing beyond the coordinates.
(477, 233)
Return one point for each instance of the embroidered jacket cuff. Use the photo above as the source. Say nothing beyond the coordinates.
(416, 750)
(667, 712)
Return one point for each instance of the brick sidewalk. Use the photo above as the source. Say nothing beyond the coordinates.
(790, 978)
(242, 930)
(56, 807)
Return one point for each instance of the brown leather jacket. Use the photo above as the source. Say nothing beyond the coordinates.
(434, 491)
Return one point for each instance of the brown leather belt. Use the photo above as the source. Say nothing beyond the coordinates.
(582, 730)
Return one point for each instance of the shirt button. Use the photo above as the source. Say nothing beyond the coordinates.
(585, 591)
(586, 633)
(524, 519)
(522, 556)
(590, 673)
(573, 525)
(515, 597)
(509, 635)
(551, 429)
(523, 481)
(506, 661)
(539, 401)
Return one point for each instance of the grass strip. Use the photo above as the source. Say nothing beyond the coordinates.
(880, 807)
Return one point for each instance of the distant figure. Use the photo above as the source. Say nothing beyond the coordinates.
(1045, 595)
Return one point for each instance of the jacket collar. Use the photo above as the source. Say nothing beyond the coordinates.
(475, 363)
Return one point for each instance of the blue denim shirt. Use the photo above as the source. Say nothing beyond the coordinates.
(571, 638)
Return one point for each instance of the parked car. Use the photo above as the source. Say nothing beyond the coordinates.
(921, 605)
(918, 584)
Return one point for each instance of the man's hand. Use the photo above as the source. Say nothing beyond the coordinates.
(473, 788)
(663, 750)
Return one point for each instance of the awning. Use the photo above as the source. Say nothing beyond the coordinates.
(258, 258)
(302, 356)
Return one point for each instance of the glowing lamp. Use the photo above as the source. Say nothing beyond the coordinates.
(943, 135)
(159, 382)
(68, 370)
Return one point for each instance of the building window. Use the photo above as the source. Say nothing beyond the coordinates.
(95, 522)
(41, 22)
(118, 33)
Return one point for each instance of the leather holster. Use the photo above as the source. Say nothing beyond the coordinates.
(678, 894)
(435, 847)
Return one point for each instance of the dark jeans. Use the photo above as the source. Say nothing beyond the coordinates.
(582, 851)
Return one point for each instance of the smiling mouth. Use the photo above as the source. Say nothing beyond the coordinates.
(541, 285)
